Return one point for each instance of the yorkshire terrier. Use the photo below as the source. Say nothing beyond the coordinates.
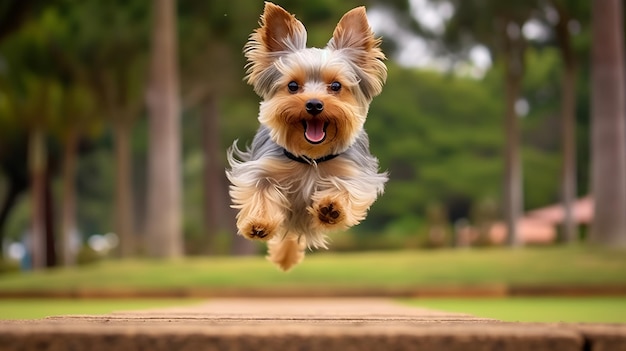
(309, 169)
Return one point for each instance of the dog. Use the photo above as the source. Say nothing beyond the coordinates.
(309, 170)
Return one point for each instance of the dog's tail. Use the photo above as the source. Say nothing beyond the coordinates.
(286, 251)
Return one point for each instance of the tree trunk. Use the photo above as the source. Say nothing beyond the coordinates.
(15, 169)
(568, 177)
(513, 193)
(68, 203)
(49, 217)
(37, 166)
(164, 233)
(213, 170)
(124, 192)
(513, 165)
(608, 129)
(219, 217)
(568, 123)
(9, 201)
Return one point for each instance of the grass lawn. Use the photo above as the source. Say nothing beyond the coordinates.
(545, 266)
(392, 269)
(588, 310)
(566, 309)
(40, 308)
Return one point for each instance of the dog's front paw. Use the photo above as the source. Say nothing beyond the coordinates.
(258, 230)
(329, 213)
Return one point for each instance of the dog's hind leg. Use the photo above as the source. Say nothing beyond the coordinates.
(286, 251)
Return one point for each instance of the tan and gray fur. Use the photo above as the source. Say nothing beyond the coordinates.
(309, 170)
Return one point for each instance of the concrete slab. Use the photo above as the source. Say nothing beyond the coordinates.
(299, 324)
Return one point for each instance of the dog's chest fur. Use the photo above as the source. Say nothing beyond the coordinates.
(297, 181)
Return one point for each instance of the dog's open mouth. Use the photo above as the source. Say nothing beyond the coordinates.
(314, 130)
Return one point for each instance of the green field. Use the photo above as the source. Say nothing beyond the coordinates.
(561, 309)
(393, 269)
(599, 310)
(551, 266)
(41, 308)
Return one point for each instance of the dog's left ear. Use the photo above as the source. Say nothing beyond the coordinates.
(353, 33)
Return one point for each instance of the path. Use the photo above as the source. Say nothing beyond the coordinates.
(301, 324)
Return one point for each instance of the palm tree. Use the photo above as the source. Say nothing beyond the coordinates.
(163, 219)
(117, 82)
(566, 10)
(77, 112)
(497, 25)
(608, 123)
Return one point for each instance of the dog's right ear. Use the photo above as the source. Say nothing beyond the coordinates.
(279, 33)
(280, 30)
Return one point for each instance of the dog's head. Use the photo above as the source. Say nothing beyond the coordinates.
(315, 101)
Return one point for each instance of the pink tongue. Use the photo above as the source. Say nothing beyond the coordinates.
(314, 130)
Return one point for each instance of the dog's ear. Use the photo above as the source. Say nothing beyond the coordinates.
(280, 30)
(279, 34)
(354, 32)
(356, 39)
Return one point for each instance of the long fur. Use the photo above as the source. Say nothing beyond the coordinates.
(292, 204)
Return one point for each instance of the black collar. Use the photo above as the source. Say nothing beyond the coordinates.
(304, 159)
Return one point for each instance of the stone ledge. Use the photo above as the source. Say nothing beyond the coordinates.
(302, 324)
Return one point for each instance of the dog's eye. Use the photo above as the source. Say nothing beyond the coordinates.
(293, 86)
(335, 86)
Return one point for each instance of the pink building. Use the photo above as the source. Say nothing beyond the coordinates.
(540, 226)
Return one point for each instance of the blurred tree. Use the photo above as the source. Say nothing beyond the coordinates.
(608, 113)
(33, 95)
(565, 18)
(557, 24)
(163, 219)
(210, 71)
(13, 15)
(541, 134)
(13, 157)
(78, 110)
(90, 58)
(34, 100)
(14, 12)
(498, 26)
(568, 118)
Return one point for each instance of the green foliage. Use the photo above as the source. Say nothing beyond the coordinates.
(541, 128)
(439, 138)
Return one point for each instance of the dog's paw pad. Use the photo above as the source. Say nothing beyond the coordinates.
(330, 213)
(258, 231)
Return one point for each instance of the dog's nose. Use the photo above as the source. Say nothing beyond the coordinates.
(314, 106)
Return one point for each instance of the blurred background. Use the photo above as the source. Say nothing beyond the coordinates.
(115, 117)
